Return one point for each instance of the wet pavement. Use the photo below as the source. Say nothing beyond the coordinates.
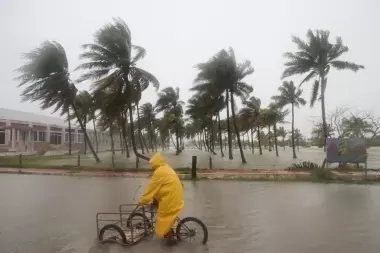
(57, 214)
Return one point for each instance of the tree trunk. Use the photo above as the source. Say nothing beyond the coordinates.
(220, 136)
(252, 145)
(236, 128)
(139, 128)
(112, 143)
(275, 138)
(293, 146)
(121, 141)
(177, 136)
(133, 135)
(150, 132)
(230, 156)
(68, 115)
(269, 143)
(85, 141)
(96, 136)
(323, 88)
(259, 140)
(125, 130)
(85, 133)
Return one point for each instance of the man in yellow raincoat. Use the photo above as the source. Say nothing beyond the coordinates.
(166, 188)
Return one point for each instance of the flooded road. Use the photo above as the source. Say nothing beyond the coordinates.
(46, 214)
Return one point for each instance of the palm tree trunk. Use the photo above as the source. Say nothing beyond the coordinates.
(177, 136)
(230, 156)
(269, 142)
(150, 133)
(85, 133)
(112, 143)
(275, 138)
(293, 146)
(96, 136)
(133, 135)
(68, 115)
(139, 128)
(259, 140)
(85, 142)
(220, 136)
(236, 128)
(121, 141)
(323, 88)
(125, 132)
(252, 146)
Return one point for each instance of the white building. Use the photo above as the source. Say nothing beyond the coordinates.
(28, 132)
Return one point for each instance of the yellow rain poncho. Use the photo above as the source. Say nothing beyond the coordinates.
(166, 188)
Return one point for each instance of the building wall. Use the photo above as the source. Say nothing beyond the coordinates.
(28, 136)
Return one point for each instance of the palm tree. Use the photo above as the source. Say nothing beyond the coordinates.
(252, 112)
(86, 108)
(316, 57)
(225, 75)
(47, 74)
(112, 60)
(282, 133)
(140, 83)
(169, 102)
(274, 115)
(297, 136)
(148, 118)
(290, 95)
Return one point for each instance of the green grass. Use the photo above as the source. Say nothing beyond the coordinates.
(30, 161)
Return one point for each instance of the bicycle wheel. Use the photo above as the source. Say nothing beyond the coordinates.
(137, 220)
(192, 229)
(112, 232)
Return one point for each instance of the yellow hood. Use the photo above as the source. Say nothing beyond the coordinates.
(157, 160)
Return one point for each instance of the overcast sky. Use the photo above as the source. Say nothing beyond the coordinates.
(179, 34)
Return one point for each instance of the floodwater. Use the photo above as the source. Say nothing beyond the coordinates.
(46, 214)
(254, 161)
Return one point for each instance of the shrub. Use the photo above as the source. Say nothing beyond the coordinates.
(305, 165)
(322, 174)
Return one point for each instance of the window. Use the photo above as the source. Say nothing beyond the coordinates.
(41, 136)
(80, 138)
(2, 137)
(24, 136)
(56, 138)
(67, 138)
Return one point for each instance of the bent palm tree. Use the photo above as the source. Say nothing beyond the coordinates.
(252, 112)
(168, 102)
(282, 133)
(47, 74)
(289, 94)
(112, 58)
(316, 57)
(148, 118)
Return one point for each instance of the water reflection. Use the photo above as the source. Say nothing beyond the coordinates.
(57, 214)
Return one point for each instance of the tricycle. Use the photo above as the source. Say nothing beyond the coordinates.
(135, 222)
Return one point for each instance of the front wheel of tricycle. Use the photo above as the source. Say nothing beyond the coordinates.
(192, 229)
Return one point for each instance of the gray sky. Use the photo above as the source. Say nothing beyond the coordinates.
(179, 34)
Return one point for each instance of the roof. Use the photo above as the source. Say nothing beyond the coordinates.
(9, 114)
